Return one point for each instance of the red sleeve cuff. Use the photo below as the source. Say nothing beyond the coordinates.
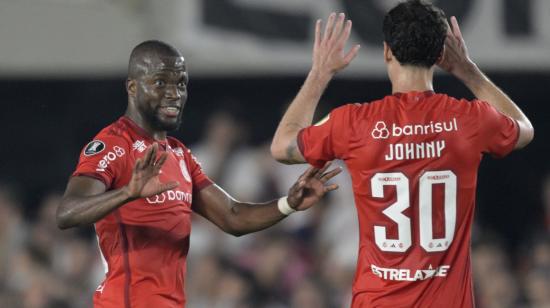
(512, 144)
(301, 147)
(200, 185)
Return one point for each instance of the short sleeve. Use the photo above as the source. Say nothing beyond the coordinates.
(498, 133)
(103, 158)
(328, 139)
(199, 178)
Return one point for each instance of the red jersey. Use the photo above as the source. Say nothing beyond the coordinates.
(144, 243)
(413, 160)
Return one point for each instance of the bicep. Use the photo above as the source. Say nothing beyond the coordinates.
(84, 186)
(214, 204)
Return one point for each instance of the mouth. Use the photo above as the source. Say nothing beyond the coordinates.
(170, 111)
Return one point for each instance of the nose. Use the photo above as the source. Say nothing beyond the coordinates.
(173, 93)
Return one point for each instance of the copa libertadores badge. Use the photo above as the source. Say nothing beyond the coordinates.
(94, 147)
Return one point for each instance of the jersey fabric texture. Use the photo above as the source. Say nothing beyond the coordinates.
(144, 243)
(413, 158)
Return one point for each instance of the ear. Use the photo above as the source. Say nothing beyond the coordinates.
(388, 55)
(131, 87)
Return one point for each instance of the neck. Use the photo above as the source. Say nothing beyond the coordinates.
(145, 125)
(408, 78)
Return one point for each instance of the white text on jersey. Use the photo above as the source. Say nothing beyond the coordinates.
(403, 274)
(401, 151)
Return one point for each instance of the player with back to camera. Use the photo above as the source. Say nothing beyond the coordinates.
(413, 155)
(139, 187)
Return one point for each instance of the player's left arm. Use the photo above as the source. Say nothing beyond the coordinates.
(456, 60)
(328, 59)
(240, 218)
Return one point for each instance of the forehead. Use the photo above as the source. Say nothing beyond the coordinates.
(158, 64)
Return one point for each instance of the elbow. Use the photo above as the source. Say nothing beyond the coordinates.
(63, 218)
(62, 222)
(527, 134)
(233, 230)
(277, 152)
(232, 224)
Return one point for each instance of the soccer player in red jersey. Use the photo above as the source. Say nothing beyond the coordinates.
(139, 187)
(413, 155)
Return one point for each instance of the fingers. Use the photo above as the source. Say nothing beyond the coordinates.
(150, 155)
(456, 28)
(331, 188)
(160, 161)
(317, 33)
(329, 26)
(351, 54)
(320, 172)
(329, 175)
(138, 165)
(309, 173)
(345, 33)
(338, 27)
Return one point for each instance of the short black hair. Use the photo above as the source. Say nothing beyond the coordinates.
(415, 32)
(147, 49)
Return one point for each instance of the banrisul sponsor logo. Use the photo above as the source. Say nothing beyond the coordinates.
(383, 131)
(94, 147)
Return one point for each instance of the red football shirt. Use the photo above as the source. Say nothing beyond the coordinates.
(144, 243)
(413, 160)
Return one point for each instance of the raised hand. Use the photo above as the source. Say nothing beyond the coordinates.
(311, 187)
(455, 59)
(328, 49)
(145, 180)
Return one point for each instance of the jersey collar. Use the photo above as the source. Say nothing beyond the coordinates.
(420, 94)
(140, 131)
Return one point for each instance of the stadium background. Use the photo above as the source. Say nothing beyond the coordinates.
(62, 79)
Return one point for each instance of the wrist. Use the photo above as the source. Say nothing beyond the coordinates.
(320, 75)
(470, 74)
(284, 207)
(128, 196)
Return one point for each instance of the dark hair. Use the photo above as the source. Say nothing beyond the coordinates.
(415, 32)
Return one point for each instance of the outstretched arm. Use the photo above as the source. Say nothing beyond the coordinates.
(457, 62)
(239, 218)
(85, 200)
(328, 59)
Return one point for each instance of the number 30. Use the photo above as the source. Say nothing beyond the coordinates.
(395, 211)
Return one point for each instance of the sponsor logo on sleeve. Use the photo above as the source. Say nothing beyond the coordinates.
(94, 147)
(111, 156)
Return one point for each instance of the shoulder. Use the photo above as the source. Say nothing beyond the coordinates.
(460, 105)
(112, 137)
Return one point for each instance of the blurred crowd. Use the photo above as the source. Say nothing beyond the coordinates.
(306, 261)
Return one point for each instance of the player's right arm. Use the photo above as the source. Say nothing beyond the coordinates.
(457, 62)
(86, 200)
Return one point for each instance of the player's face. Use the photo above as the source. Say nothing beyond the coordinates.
(162, 92)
